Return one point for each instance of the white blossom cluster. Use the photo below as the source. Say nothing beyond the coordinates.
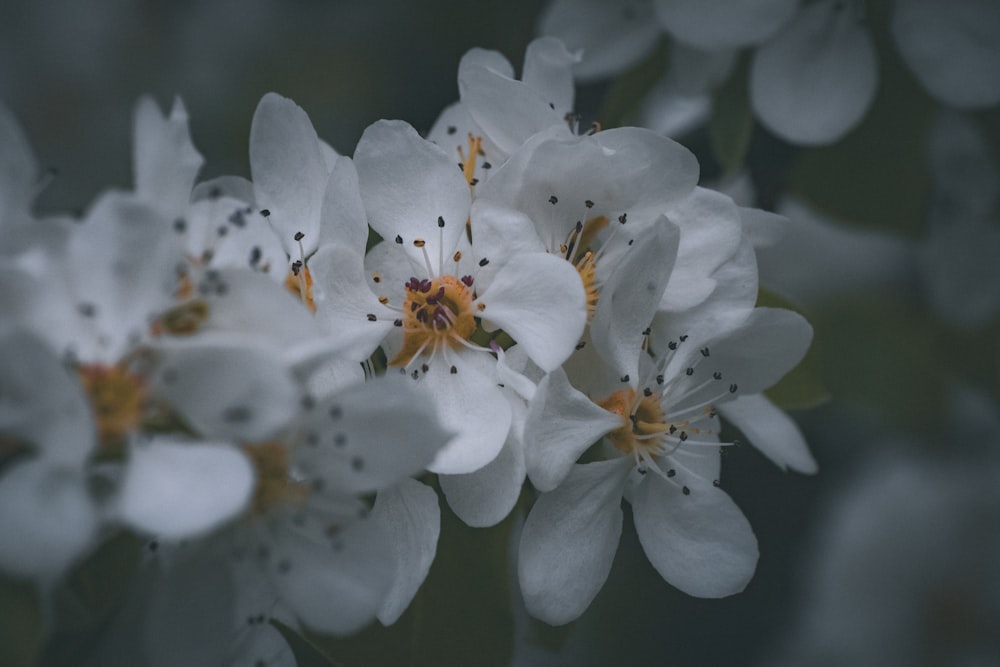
(253, 374)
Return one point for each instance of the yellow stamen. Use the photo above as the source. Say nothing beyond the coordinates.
(274, 485)
(182, 320)
(644, 426)
(469, 161)
(118, 399)
(299, 282)
(440, 315)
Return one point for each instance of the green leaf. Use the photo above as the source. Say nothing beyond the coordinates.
(732, 122)
(21, 627)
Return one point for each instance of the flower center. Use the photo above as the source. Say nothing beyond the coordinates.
(299, 282)
(644, 427)
(118, 400)
(183, 320)
(274, 485)
(577, 251)
(436, 312)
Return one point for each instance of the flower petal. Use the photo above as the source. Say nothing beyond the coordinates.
(539, 300)
(548, 70)
(569, 541)
(408, 186)
(631, 295)
(164, 159)
(561, 424)
(288, 170)
(699, 542)
(951, 48)
(470, 405)
(813, 82)
(343, 218)
(771, 431)
(410, 516)
(723, 24)
(46, 517)
(613, 35)
(369, 436)
(175, 489)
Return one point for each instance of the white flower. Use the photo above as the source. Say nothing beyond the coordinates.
(661, 431)
(47, 517)
(430, 302)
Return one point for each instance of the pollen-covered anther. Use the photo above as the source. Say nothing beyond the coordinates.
(118, 399)
(468, 159)
(274, 484)
(436, 312)
(644, 427)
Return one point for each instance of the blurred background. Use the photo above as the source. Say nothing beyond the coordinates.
(890, 555)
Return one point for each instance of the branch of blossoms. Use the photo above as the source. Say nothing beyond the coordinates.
(230, 371)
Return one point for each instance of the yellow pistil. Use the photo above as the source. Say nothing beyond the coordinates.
(469, 160)
(182, 320)
(118, 400)
(274, 485)
(435, 312)
(644, 427)
(300, 283)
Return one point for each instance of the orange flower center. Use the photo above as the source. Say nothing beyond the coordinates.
(118, 400)
(274, 485)
(436, 312)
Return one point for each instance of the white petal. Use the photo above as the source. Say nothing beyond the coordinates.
(771, 431)
(344, 301)
(408, 184)
(369, 436)
(508, 111)
(18, 166)
(470, 405)
(175, 489)
(813, 82)
(764, 228)
(40, 403)
(343, 213)
(539, 300)
(235, 187)
(410, 516)
(951, 48)
(288, 170)
(710, 234)
(569, 541)
(631, 295)
(47, 518)
(485, 497)
(562, 423)
(548, 70)
(225, 391)
(164, 159)
(723, 24)
(700, 542)
(339, 589)
(613, 35)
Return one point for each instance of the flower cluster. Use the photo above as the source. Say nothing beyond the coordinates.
(252, 374)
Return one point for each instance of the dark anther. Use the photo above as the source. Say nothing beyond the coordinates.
(415, 374)
(222, 230)
(299, 236)
(588, 204)
(397, 323)
(683, 436)
(467, 281)
(624, 378)
(631, 241)
(180, 224)
(452, 129)
(623, 218)
(671, 472)
(265, 212)
(647, 392)
(659, 379)
(717, 375)
(87, 309)
(399, 239)
(672, 345)
(453, 370)
(689, 371)
(474, 181)
(487, 165)
(732, 388)
(686, 491)
(371, 317)
(672, 429)
(236, 218)
(582, 344)
(715, 482)
(484, 262)
(424, 367)
(254, 255)
(705, 352)
(683, 338)
(646, 331)
(553, 199)
(357, 463)
(440, 221)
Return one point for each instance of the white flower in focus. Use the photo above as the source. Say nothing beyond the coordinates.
(419, 295)
(661, 435)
